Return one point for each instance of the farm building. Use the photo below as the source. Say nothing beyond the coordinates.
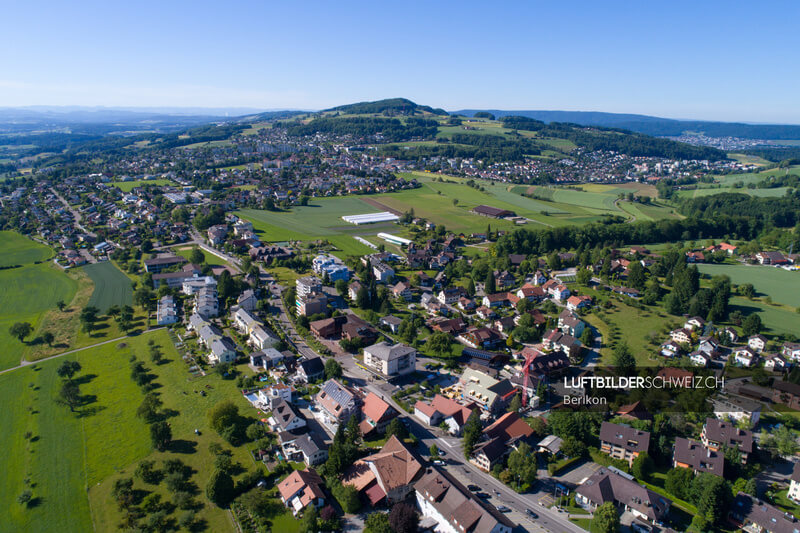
(370, 218)
(494, 212)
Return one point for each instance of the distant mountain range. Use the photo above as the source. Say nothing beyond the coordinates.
(650, 125)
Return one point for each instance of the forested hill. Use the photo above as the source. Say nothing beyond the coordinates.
(650, 125)
(614, 139)
(390, 106)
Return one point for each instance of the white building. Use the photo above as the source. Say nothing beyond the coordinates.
(390, 360)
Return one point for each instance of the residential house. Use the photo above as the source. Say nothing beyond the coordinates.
(284, 417)
(306, 448)
(337, 402)
(532, 293)
(578, 302)
(745, 356)
(390, 360)
(794, 484)
(167, 311)
(487, 392)
(623, 442)
(786, 393)
(206, 303)
(606, 486)
(757, 343)
(247, 300)
(454, 509)
(386, 476)
(311, 370)
(756, 516)
(392, 322)
(441, 409)
(222, 350)
(402, 290)
(262, 338)
(718, 434)
(775, 362)
(700, 359)
(269, 396)
(161, 262)
(692, 454)
(376, 414)
(634, 411)
(681, 336)
(791, 351)
(738, 409)
(556, 290)
(771, 258)
(302, 488)
(483, 337)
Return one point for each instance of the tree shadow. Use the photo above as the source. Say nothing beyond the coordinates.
(183, 446)
(35, 502)
(61, 345)
(89, 411)
(83, 379)
(169, 413)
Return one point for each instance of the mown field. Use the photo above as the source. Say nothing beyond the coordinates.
(71, 460)
(127, 186)
(20, 250)
(745, 179)
(781, 285)
(111, 286)
(27, 293)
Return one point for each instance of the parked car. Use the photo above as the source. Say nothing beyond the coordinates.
(503, 509)
(531, 514)
(474, 488)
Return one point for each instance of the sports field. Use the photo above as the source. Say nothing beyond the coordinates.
(20, 250)
(27, 292)
(781, 285)
(126, 186)
(111, 286)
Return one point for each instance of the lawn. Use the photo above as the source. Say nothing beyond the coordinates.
(20, 250)
(26, 294)
(111, 286)
(781, 285)
(127, 186)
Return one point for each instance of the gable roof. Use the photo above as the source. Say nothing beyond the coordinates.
(306, 482)
(376, 409)
(509, 426)
(607, 486)
(631, 439)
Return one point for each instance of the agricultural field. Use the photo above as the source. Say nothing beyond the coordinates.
(781, 285)
(127, 186)
(111, 286)
(778, 319)
(20, 250)
(449, 203)
(69, 455)
(745, 179)
(698, 193)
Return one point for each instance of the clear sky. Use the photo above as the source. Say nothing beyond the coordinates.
(699, 59)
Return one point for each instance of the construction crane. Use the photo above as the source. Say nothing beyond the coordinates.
(526, 372)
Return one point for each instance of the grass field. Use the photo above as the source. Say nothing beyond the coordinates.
(781, 285)
(111, 286)
(698, 193)
(730, 179)
(69, 455)
(28, 292)
(20, 250)
(126, 186)
(777, 319)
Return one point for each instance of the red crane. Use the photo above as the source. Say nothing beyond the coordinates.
(526, 372)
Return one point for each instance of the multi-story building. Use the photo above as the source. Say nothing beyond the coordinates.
(623, 442)
(390, 360)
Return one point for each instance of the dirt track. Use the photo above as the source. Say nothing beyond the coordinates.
(376, 203)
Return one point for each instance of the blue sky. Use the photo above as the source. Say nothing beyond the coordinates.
(703, 60)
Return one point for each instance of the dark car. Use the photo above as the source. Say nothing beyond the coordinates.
(482, 495)
(473, 488)
(531, 513)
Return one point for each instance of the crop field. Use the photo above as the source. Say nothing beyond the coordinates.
(111, 286)
(20, 250)
(127, 186)
(781, 285)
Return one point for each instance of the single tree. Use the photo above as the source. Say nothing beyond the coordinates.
(67, 369)
(197, 257)
(403, 518)
(160, 435)
(333, 370)
(377, 522)
(48, 337)
(20, 330)
(220, 489)
(606, 519)
(69, 395)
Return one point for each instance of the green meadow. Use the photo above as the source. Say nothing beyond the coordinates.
(20, 250)
(127, 186)
(781, 285)
(70, 460)
(27, 292)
